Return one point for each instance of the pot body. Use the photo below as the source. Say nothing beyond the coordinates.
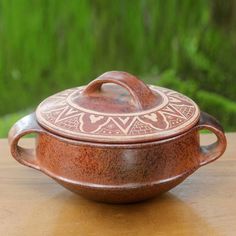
(105, 173)
(117, 173)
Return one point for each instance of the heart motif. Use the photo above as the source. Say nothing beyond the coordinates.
(152, 116)
(94, 118)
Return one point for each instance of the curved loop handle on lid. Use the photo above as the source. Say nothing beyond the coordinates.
(142, 95)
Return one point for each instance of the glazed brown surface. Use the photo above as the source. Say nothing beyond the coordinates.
(117, 165)
(122, 172)
(119, 174)
(31, 204)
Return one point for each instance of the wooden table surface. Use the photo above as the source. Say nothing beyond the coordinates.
(33, 204)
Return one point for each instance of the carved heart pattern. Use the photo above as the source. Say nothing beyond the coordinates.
(152, 116)
(94, 118)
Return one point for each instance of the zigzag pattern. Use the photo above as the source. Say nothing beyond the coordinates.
(58, 113)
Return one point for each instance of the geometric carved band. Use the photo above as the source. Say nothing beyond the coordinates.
(60, 115)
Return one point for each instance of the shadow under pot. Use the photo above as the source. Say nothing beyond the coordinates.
(117, 139)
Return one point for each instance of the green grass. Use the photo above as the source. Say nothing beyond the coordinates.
(217, 105)
(48, 46)
(8, 120)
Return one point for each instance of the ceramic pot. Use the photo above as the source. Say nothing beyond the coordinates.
(117, 140)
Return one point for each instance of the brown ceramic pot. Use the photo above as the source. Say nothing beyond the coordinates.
(117, 140)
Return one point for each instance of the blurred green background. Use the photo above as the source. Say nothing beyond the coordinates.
(50, 45)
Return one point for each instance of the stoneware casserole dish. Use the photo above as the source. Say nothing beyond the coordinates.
(117, 139)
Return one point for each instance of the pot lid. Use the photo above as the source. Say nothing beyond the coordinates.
(117, 108)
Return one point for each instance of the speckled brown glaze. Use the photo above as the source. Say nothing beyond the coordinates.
(117, 173)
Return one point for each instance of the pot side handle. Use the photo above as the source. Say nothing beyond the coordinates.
(213, 151)
(26, 125)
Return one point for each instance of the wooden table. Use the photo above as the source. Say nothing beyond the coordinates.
(32, 204)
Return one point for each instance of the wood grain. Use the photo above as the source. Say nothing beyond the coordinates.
(33, 204)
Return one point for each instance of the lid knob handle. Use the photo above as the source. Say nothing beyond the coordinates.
(142, 95)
